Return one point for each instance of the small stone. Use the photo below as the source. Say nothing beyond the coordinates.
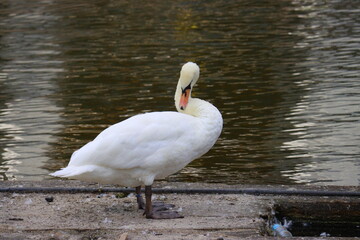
(49, 199)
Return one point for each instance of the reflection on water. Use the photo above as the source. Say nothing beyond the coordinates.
(284, 75)
(28, 118)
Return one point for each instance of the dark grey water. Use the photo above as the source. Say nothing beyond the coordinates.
(285, 75)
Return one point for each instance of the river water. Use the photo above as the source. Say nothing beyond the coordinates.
(284, 74)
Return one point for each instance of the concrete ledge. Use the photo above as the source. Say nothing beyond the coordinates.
(98, 215)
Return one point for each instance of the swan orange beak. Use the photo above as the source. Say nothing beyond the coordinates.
(184, 98)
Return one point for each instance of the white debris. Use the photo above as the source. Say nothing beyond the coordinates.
(106, 220)
(324, 234)
(162, 198)
(102, 195)
(28, 201)
(15, 195)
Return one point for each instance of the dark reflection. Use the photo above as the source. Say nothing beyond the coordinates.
(271, 67)
(29, 68)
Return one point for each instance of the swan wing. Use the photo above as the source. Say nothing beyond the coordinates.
(145, 140)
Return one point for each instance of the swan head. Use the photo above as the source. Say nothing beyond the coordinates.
(189, 75)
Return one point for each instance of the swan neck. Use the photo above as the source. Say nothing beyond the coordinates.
(201, 109)
(196, 107)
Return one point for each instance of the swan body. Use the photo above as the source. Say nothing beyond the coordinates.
(150, 146)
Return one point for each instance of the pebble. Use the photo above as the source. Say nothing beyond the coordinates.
(49, 199)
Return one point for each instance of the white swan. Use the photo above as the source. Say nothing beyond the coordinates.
(150, 146)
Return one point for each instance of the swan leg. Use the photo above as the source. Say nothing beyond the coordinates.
(139, 199)
(158, 211)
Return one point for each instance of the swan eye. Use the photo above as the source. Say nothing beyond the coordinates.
(187, 88)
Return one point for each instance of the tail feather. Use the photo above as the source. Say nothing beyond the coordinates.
(69, 172)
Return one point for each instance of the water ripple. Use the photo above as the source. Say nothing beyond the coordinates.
(284, 74)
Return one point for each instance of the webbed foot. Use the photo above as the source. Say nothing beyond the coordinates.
(167, 214)
(158, 210)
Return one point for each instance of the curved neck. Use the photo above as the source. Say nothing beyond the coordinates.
(177, 97)
(196, 107)
(201, 109)
(207, 113)
(209, 116)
